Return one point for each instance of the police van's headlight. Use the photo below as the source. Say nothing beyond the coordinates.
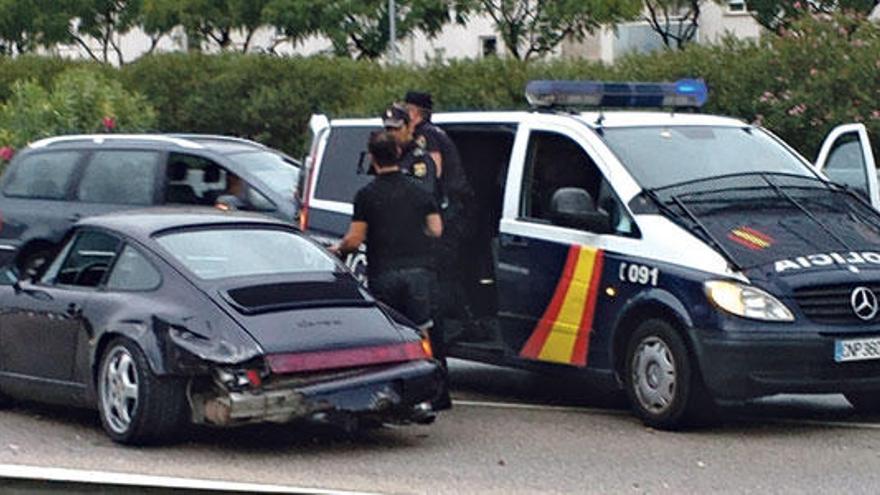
(746, 301)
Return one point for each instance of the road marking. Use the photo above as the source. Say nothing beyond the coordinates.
(538, 407)
(616, 412)
(77, 476)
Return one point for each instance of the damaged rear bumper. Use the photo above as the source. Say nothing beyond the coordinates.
(400, 393)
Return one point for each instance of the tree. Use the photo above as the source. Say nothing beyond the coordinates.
(103, 21)
(360, 27)
(533, 28)
(26, 25)
(676, 21)
(207, 22)
(778, 15)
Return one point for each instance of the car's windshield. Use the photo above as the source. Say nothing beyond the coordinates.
(272, 169)
(233, 252)
(662, 156)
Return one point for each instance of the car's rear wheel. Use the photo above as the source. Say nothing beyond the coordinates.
(866, 402)
(662, 381)
(136, 406)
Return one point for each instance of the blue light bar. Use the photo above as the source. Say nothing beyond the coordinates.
(685, 93)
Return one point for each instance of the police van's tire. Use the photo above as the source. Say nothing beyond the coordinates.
(865, 402)
(136, 406)
(662, 381)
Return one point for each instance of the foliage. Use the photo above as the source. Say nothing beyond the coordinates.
(676, 21)
(79, 100)
(778, 15)
(532, 28)
(799, 85)
(24, 26)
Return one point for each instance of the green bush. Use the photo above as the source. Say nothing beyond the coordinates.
(824, 72)
(79, 100)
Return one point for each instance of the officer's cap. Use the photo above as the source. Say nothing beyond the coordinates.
(419, 99)
(395, 116)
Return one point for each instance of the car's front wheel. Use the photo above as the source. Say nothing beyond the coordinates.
(662, 382)
(864, 402)
(136, 406)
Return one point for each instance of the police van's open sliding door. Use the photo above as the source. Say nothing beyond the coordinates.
(551, 264)
(846, 158)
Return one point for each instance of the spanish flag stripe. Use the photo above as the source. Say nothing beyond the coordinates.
(582, 344)
(560, 343)
(750, 238)
(760, 235)
(533, 346)
(744, 241)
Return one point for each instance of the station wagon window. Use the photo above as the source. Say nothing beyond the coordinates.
(133, 272)
(120, 177)
(555, 161)
(43, 175)
(85, 260)
(195, 180)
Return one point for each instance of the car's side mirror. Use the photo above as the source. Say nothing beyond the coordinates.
(574, 207)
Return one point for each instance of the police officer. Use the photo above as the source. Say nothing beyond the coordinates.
(414, 160)
(456, 202)
(397, 220)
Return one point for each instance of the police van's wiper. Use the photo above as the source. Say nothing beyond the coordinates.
(805, 211)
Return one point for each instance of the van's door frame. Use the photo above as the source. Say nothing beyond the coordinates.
(861, 133)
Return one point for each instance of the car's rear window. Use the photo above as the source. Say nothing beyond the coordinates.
(339, 179)
(43, 175)
(234, 252)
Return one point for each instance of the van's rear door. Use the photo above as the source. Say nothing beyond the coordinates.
(846, 157)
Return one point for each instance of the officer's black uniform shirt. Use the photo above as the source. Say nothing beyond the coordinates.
(453, 180)
(419, 165)
(394, 208)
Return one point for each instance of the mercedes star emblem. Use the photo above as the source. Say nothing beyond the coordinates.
(864, 303)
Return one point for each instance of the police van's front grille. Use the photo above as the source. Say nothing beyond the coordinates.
(832, 304)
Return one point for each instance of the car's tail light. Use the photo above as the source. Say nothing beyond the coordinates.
(347, 358)
(426, 346)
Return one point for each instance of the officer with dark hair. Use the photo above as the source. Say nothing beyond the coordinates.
(399, 221)
(455, 205)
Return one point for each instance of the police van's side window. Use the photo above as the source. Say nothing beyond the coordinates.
(554, 161)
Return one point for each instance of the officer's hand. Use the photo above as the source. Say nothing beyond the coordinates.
(335, 250)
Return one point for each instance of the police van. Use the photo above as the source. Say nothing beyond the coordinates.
(690, 259)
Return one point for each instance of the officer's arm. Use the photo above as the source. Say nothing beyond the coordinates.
(438, 161)
(433, 225)
(356, 235)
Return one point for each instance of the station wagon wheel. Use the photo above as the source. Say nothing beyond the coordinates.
(135, 405)
(663, 385)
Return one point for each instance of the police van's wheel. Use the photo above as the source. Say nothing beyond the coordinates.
(866, 402)
(664, 388)
(136, 406)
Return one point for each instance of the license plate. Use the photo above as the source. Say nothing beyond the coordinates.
(857, 349)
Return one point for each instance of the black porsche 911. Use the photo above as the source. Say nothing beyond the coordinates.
(159, 318)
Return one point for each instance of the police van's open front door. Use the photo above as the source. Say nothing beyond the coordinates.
(846, 158)
(552, 245)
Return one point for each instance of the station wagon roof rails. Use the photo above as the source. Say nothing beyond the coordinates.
(101, 138)
(217, 137)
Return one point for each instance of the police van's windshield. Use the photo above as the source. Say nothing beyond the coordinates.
(662, 156)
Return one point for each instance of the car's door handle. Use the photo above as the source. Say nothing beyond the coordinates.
(514, 241)
(74, 310)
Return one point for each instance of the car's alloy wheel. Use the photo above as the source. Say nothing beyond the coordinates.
(119, 389)
(135, 405)
(662, 380)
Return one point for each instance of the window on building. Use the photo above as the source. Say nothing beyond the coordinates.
(736, 6)
(488, 46)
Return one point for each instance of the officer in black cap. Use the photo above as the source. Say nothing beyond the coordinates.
(455, 205)
(414, 160)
